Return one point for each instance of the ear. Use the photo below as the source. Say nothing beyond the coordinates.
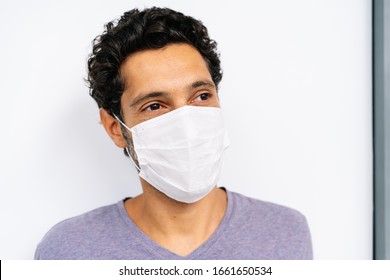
(113, 128)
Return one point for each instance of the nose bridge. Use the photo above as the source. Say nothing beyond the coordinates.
(179, 99)
(179, 105)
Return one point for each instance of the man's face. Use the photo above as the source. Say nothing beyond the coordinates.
(159, 81)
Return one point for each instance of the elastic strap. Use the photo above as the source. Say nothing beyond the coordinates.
(127, 149)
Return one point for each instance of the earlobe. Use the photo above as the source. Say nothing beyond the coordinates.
(112, 127)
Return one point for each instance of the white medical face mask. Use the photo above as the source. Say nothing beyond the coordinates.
(180, 153)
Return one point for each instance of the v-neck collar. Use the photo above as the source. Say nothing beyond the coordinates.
(157, 251)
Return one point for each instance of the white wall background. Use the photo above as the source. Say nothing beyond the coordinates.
(296, 93)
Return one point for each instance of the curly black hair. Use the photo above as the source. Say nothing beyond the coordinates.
(151, 28)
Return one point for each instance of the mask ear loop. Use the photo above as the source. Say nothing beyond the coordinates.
(127, 149)
(131, 158)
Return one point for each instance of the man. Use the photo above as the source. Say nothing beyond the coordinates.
(155, 76)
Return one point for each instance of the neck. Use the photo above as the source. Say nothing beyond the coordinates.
(179, 227)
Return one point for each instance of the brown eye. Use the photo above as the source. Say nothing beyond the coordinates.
(201, 99)
(204, 96)
(154, 106)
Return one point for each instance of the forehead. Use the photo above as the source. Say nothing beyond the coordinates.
(169, 68)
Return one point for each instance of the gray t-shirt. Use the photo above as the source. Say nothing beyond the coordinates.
(250, 229)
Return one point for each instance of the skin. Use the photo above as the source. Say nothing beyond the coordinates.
(157, 82)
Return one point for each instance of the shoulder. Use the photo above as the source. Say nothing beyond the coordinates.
(265, 210)
(71, 238)
(282, 229)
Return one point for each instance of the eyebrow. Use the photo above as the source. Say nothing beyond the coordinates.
(202, 84)
(155, 94)
(147, 96)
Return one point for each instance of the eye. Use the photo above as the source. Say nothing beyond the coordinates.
(204, 96)
(153, 107)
